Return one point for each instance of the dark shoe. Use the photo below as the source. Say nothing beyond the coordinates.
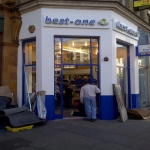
(86, 119)
(93, 120)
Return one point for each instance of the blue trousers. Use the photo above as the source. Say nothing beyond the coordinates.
(90, 107)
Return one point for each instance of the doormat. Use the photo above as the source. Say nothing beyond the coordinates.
(14, 143)
(139, 113)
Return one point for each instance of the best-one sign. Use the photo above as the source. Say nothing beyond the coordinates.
(66, 21)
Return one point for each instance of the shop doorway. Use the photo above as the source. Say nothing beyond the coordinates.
(143, 81)
(76, 60)
(29, 68)
(143, 87)
(123, 75)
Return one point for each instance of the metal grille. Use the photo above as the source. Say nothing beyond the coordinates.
(13, 144)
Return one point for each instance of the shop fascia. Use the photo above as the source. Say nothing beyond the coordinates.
(127, 30)
(67, 21)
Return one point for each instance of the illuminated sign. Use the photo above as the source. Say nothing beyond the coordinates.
(143, 50)
(141, 3)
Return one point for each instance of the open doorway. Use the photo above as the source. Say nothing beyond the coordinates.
(76, 60)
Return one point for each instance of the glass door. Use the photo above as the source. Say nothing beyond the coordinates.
(29, 72)
(122, 71)
(143, 81)
(143, 87)
(76, 60)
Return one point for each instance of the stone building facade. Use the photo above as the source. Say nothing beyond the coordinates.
(9, 44)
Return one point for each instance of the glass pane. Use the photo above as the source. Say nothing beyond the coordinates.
(30, 72)
(76, 51)
(121, 59)
(30, 53)
(57, 51)
(122, 78)
(143, 85)
(57, 89)
(30, 87)
(73, 77)
(94, 51)
(122, 81)
(143, 61)
(94, 79)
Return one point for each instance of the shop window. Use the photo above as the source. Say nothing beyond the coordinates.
(122, 75)
(57, 51)
(75, 51)
(95, 51)
(144, 71)
(30, 65)
(143, 61)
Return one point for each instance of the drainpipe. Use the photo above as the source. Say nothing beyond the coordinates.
(1, 34)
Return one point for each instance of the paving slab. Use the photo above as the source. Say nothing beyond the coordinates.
(83, 135)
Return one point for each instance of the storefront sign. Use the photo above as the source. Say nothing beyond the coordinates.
(127, 30)
(73, 22)
(143, 50)
(67, 21)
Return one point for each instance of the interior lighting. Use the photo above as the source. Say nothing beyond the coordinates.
(76, 50)
(60, 45)
(72, 43)
(85, 43)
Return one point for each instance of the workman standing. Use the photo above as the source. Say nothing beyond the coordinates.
(88, 97)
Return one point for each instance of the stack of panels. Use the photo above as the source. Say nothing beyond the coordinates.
(17, 117)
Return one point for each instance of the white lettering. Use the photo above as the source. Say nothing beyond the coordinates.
(125, 29)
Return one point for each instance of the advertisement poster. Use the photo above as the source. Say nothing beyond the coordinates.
(141, 3)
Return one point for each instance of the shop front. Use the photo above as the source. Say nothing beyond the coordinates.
(143, 53)
(60, 48)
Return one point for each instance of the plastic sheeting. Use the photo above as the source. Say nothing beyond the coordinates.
(5, 91)
(41, 109)
(17, 117)
(121, 106)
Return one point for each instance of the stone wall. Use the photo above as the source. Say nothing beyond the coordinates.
(9, 45)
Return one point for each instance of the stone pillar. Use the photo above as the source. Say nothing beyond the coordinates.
(129, 4)
(144, 16)
(12, 24)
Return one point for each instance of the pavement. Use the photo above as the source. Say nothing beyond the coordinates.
(78, 134)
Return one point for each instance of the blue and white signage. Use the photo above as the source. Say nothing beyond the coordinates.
(143, 50)
(76, 22)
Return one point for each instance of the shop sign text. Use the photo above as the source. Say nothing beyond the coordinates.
(67, 21)
(127, 30)
(143, 50)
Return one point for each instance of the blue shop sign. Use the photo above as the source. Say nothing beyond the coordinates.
(67, 21)
(143, 50)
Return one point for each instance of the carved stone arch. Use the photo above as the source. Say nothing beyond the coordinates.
(16, 23)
